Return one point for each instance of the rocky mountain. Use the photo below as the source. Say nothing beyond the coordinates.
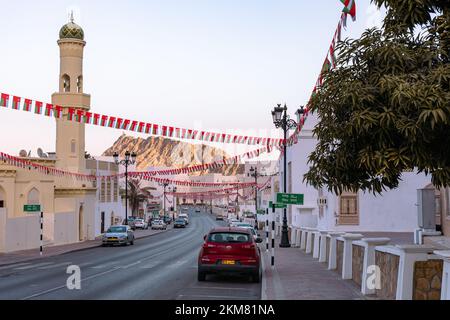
(162, 152)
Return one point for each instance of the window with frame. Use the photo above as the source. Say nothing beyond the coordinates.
(116, 189)
(108, 191)
(348, 209)
(102, 191)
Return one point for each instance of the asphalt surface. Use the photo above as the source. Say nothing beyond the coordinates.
(161, 267)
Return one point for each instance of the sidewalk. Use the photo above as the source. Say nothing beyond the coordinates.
(50, 251)
(297, 276)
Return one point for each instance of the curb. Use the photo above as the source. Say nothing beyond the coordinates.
(264, 280)
(76, 250)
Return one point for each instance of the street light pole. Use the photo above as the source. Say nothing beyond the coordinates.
(125, 162)
(282, 120)
(254, 173)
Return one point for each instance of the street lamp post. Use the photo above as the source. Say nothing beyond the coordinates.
(254, 173)
(130, 159)
(282, 120)
(173, 190)
(164, 185)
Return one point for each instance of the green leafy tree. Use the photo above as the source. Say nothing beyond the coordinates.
(385, 108)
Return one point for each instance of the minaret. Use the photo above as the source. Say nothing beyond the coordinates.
(70, 135)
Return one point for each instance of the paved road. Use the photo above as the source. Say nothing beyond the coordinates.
(157, 268)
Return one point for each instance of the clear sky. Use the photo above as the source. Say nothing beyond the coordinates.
(220, 65)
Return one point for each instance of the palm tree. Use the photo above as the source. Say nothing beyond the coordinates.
(137, 194)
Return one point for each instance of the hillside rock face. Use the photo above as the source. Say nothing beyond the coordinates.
(162, 152)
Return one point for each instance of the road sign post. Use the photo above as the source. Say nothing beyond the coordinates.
(36, 208)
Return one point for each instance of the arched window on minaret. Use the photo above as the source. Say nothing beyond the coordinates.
(66, 83)
(80, 84)
(73, 146)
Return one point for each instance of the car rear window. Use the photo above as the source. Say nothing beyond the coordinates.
(229, 237)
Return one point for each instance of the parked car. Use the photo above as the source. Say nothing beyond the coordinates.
(233, 222)
(130, 222)
(140, 224)
(179, 223)
(230, 250)
(121, 235)
(249, 227)
(158, 225)
(185, 217)
(167, 220)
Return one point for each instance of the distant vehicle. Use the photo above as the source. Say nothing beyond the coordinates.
(185, 217)
(140, 224)
(130, 222)
(219, 218)
(230, 250)
(120, 235)
(167, 220)
(179, 223)
(158, 225)
(232, 222)
(197, 210)
(249, 227)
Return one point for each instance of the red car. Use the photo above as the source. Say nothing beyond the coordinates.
(230, 250)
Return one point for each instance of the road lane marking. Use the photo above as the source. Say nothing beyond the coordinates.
(15, 265)
(105, 265)
(130, 265)
(151, 264)
(34, 266)
(64, 286)
(63, 264)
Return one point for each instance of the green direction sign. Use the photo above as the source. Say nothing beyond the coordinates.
(277, 205)
(32, 208)
(290, 198)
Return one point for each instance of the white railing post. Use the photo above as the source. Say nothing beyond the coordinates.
(303, 239)
(323, 246)
(333, 249)
(347, 261)
(316, 249)
(445, 287)
(369, 245)
(409, 254)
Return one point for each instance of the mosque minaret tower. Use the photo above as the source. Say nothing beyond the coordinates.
(70, 135)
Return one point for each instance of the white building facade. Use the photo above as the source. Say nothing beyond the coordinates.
(393, 211)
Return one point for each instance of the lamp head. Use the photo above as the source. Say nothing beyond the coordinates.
(116, 157)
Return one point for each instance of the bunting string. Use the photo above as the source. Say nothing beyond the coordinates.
(82, 116)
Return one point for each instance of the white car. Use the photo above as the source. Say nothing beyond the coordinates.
(185, 217)
(140, 224)
(158, 225)
(233, 222)
(249, 227)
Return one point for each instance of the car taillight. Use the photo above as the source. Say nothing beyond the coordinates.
(249, 246)
(208, 245)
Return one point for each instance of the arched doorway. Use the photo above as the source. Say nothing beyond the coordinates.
(2, 198)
